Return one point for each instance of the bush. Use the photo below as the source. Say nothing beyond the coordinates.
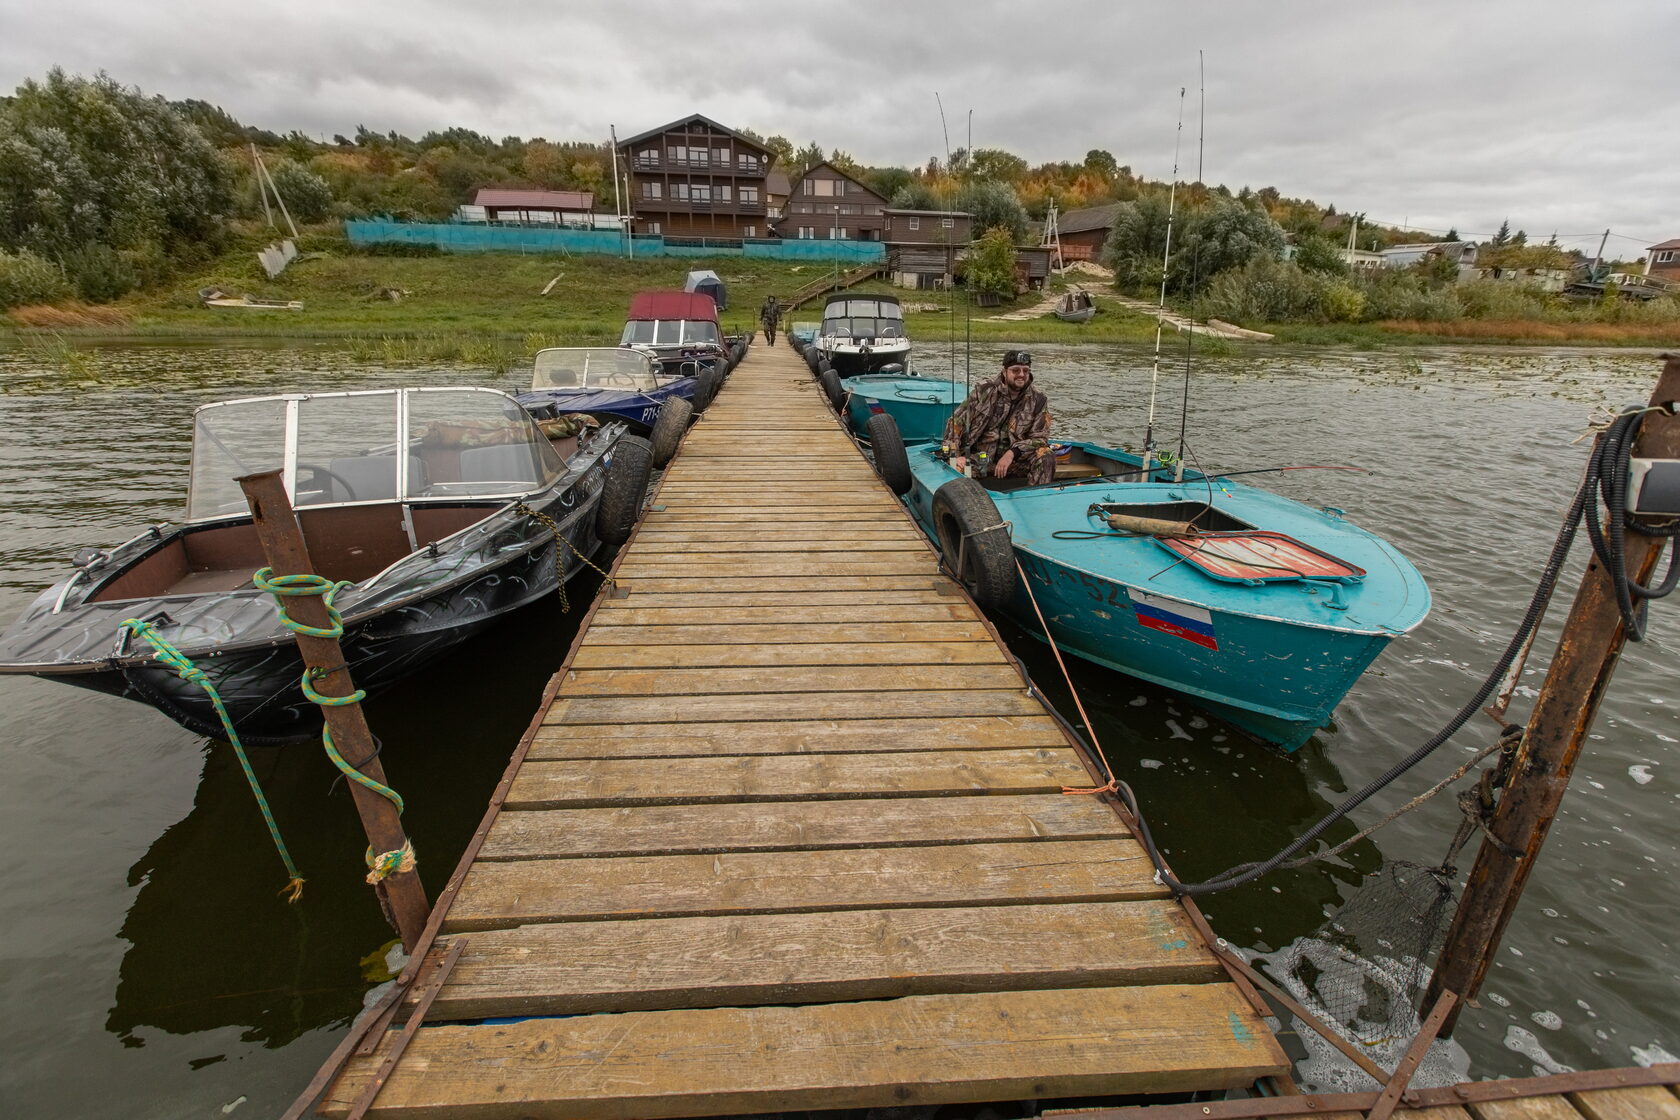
(1405, 294)
(1343, 303)
(26, 278)
(991, 264)
(1501, 299)
(1264, 290)
(307, 196)
(99, 273)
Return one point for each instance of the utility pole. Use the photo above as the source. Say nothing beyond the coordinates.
(618, 200)
(401, 894)
(1599, 258)
(1579, 676)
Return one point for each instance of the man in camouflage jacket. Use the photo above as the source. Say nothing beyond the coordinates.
(1007, 422)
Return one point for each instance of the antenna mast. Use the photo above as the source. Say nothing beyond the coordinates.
(1161, 310)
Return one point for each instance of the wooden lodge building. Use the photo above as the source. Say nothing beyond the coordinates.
(826, 202)
(1084, 231)
(697, 178)
(923, 245)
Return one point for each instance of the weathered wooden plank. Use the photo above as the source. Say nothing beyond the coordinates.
(919, 1050)
(791, 706)
(786, 654)
(849, 736)
(788, 825)
(726, 680)
(655, 600)
(691, 514)
(1523, 1108)
(780, 634)
(498, 895)
(792, 617)
(744, 565)
(1648, 1102)
(589, 967)
(837, 543)
(669, 584)
(579, 783)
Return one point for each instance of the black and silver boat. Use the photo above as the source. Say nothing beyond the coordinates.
(420, 498)
(863, 334)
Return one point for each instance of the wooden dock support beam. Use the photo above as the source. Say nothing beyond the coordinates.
(1575, 683)
(401, 894)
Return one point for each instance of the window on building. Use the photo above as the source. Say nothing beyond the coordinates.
(655, 227)
(850, 209)
(802, 208)
(723, 192)
(649, 156)
(772, 212)
(915, 223)
(822, 188)
(697, 157)
(837, 233)
(677, 153)
(807, 186)
(807, 233)
(749, 231)
(878, 211)
(749, 194)
(839, 186)
(1665, 256)
(679, 191)
(700, 192)
(653, 190)
(947, 223)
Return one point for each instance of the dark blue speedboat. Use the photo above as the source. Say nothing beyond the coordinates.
(1262, 609)
(620, 383)
(424, 500)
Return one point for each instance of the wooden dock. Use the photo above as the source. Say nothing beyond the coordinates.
(790, 834)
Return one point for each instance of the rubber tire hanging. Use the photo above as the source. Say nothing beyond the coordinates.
(832, 389)
(887, 446)
(668, 429)
(968, 525)
(623, 489)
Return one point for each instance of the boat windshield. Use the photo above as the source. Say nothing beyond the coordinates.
(670, 332)
(595, 367)
(863, 318)
(386, 445)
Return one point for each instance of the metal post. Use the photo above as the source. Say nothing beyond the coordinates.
(1577, 680)
(401, 893)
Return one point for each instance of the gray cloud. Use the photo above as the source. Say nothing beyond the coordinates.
(1434, 112)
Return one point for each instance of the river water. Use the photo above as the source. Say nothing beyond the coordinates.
(147, 968)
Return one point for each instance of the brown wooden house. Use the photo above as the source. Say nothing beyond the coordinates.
(1083, 232)
(825, 202)
(697, 178)
(923, 245)
(1663, 261)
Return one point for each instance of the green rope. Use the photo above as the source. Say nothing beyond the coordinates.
(283, 587)
(184, 668)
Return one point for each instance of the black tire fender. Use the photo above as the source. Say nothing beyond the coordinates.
(968, 525)
(832, 388)
(887, 446)
(668, 429)
(623, 489)
(706, 386)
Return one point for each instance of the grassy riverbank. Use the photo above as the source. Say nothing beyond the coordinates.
(491, 308)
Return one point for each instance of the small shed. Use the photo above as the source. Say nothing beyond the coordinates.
(708, 283)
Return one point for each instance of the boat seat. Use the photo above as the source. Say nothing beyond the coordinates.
(1078, 470)
(502, 462)
(373, 477)
(564, 379)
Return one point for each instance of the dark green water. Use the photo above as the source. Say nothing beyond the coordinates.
(148, 970)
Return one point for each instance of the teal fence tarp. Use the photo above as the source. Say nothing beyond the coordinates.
(463, 238)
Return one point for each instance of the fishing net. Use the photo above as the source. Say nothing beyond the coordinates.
(1365, 970)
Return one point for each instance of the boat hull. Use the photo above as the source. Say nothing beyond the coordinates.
(854, 361)
(1272, 658)
(637, 409)
(919, 405)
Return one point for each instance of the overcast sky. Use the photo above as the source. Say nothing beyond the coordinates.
(1561, 116)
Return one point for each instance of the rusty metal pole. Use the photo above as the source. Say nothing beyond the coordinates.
(401, 893)
(1575, 683)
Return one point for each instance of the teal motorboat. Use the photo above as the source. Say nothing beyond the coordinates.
(1262, 609)
(918, 405)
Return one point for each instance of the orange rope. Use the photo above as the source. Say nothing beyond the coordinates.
(1108, 786)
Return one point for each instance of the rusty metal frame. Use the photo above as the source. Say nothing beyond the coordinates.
(1470, 1092)
(428, 992)
(365, 1039)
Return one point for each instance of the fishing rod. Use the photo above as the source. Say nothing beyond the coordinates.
(1232, 474)
(1195, 273)
(1161, 310)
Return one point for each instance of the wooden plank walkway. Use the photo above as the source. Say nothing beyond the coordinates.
(790, 835)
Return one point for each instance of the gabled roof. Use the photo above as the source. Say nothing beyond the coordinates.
(1090, 218)
(534, 200)
(777, 183)
(803, 175)
(1675, 244)
(705, 120)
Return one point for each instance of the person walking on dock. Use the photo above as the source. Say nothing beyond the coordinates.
(1005, 426)
(770, 315)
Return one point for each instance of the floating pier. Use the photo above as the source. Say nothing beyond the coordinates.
(789, 833)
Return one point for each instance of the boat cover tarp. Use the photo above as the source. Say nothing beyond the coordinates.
(710, 283)
(673, 305)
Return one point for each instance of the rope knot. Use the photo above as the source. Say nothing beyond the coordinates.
(386, 864)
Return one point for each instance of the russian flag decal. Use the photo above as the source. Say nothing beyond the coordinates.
(1170, 616)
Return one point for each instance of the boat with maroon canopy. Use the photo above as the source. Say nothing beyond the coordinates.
(421, 498)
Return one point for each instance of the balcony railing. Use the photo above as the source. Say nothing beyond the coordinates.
(665, 163)
(690, 206)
